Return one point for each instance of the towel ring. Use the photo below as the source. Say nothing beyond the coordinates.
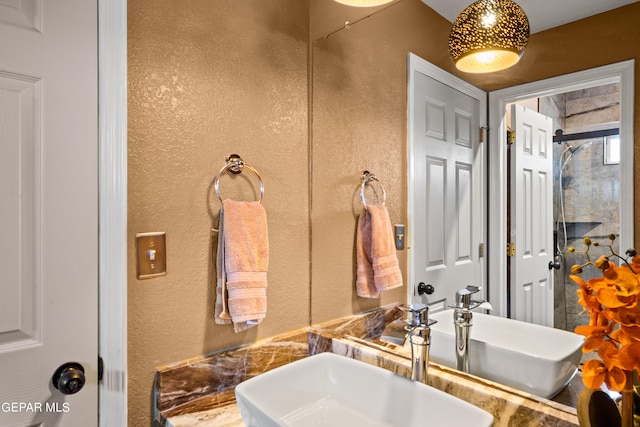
(366, 178)
(235, 165)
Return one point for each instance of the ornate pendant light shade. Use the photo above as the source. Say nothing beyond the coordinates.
(363, 3)
(489, 35)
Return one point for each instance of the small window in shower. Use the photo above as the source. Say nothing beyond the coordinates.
(612, 150)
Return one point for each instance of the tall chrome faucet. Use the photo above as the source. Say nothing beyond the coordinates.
(417, 325)
(463, 320)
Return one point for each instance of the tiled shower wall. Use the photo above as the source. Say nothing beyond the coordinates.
(590, 188)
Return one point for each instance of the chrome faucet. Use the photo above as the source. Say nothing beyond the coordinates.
(417, 325)
(463, 320)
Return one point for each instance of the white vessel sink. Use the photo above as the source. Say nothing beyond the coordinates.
(331, 390)
(532, 358)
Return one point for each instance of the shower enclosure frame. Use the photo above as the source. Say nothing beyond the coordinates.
(622, 72)
(561, 138)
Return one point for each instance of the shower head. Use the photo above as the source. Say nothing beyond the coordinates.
(575, 150)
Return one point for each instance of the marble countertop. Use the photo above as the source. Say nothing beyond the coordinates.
(223, 416)
(518, 412)
(199, 392)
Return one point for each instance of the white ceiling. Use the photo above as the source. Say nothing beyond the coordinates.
(542, 14)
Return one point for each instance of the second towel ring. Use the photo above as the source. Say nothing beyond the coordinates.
(366, 178)
(235, 165)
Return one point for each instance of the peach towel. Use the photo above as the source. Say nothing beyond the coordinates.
(377, 266)
(242, 261)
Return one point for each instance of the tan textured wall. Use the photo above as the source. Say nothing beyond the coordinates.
(207, 79)
(211, 78)
(359, 123)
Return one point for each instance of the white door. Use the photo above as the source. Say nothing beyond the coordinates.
(446, 201)
(531, 219)
(48, 210)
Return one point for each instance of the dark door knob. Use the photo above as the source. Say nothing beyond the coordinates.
(425, 289)
(69, 378)
(555, 263)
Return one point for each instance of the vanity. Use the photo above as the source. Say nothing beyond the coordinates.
(200, 391)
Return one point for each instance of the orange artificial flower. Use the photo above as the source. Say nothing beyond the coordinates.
(625, 335)
(626, 316)
(595, 336)
(625, 282)
(579, 280)
(611, 298)
(593, 373)
(616, 378)
(629, 334)
(608, 353)
(629, 356)
(613, 305)
(585, 297)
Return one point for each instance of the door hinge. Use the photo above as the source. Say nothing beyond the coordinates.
(511, 249)
(511, 137)
(100, 368)
(483, 134)
(481, 250)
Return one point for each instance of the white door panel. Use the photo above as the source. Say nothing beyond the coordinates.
(48, 209)
(446, 204)
(531, 219)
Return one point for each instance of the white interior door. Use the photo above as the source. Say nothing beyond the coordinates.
(48, 210)
(446, 201)
(531, 219)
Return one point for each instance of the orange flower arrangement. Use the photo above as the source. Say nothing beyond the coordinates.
(613, 305)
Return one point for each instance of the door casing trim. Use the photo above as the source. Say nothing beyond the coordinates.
(622, 72)
(112, 140)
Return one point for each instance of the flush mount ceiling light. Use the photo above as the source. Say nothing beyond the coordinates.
(489, 35)
(364, 3)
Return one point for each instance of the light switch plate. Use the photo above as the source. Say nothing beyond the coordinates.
(399, 236)
(151, 254)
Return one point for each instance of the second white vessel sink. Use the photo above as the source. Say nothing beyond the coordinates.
(533, 358)
(331, 390)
